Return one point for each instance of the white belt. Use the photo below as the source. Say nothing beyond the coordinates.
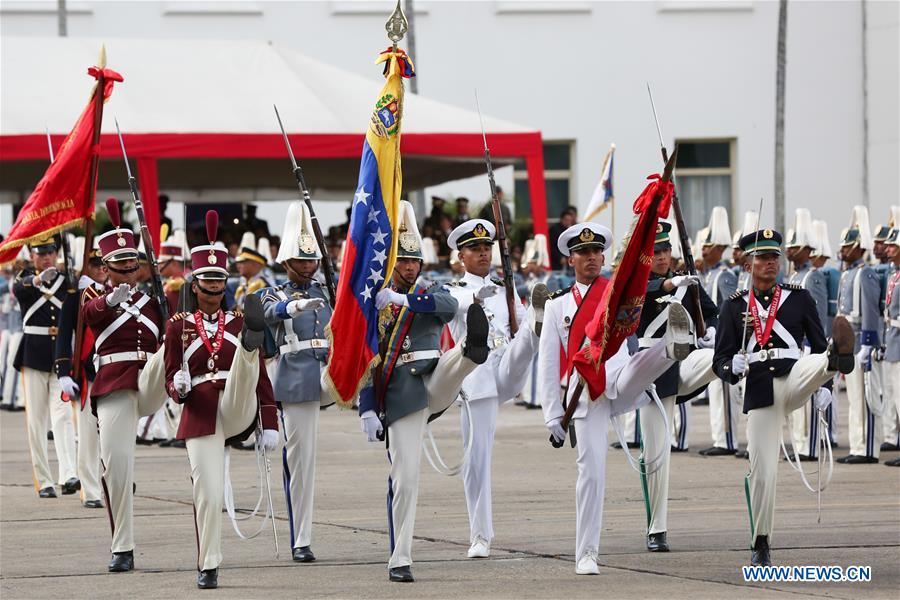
(195, 381)
(647, 342)
(851, 318)
(892, 322)
(35, 330)
(115, 357)
(497, 342)
(773, 354)
(304, 345)
(420, 355)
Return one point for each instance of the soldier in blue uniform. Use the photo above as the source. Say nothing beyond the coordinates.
(41, 292)
(720, 282)
(798, 245)
(891, 362)
(297, 313)
(858, 301)
(681, 382)
(759, 338)
(415, 382)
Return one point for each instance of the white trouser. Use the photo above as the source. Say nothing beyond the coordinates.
(724, 411)
(476, 471)
(764, 431)
(694, 372)
(892, 385)
(405, 456)
(88, 452)
(12, 393)
(529, 392)
(515, 363)
(43, 405)
(890, 418)
(442, 385)
(631, 427)
(4, 347)
(682, 418)
(299, 423)
(865, 429)
(591, 434)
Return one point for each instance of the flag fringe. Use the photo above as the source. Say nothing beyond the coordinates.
(19, 242)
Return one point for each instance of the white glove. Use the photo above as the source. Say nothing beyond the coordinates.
(486, 292)
(46, 276)
(739, 364)
(685, 280)
(822, 398)
(295, 307)
(709, 338)
(69, 386)
(864, 355)
(389, 296)
(370, 425)
(556, 430)
(182, 382)
(119, 295)
(269, 439)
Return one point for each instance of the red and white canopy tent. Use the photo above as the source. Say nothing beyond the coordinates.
(198, 115)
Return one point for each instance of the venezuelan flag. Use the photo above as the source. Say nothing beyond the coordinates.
(370, 249)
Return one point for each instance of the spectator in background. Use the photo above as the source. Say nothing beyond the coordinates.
(163, 208)
(437, 213)
(567, 218)
(487, 211)
(258, 226)
(462, 211)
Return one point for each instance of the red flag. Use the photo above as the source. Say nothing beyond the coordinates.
(619, 310)
(65, 194)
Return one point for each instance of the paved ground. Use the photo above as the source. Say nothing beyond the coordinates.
(56, 549)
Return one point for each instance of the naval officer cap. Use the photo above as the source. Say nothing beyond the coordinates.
(582, 236)
(764, 241)
(473, 231)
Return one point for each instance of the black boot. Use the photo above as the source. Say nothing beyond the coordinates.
(840, 351)
(71, 486)
(477, 327)
(759, 557)
(253, 332)
(121, 562)
(401, 574)
(304, 554)
(656, 542)
(208, 579)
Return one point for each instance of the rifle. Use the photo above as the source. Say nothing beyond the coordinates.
(155, 280)
(505, 261)
(327, 268)
(683, 238)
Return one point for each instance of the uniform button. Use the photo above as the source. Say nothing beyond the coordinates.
(413, 371)
(770, 344)
(771, 368)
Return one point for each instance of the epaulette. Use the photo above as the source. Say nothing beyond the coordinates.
(791, 286)
(89, 293)
(737, 294)
(178, 316)
(496, 281)
(456, 283)
(23, 273)
(237, 311)
(174, 284)
(561, 292)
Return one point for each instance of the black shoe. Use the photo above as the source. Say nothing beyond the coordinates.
(50, 435)
(71, 486)
(121, 562)
(717, 451)
(165, 443)
(677, 449)
(616, 445)
(93, 504)
(401, 574)
(209, 579)
(304, 554)
(477, 328)
(840, 350)
(742, 454)
(656, 542)
(142, 441)
(893, 463)
(855, 459)
(759, 557)
(532, 406)
(47, 492)
(889, 447)
(179, 444)
(253, 332)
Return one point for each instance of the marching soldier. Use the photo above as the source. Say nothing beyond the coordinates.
(130, 383)
(804, 421)
(90, 285)
(720, 283)
(251, 265)
(626, 379)
(500, 378)
(297, 313)
(535, 261)
(884, 269)
(41, 292)
(858, 301)
(214, 368)
(415, 383)
(773, 320)
(678, 384)
(891, 362)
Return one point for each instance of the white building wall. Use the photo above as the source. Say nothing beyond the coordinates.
(577, 70)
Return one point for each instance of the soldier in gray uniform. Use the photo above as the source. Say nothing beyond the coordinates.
(858, 301)
(720, 282)
(297, 313)
(884, 268)
(799, 245)
(415, 383)
(891, 362)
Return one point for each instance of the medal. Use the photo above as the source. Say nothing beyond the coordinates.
(214, 346)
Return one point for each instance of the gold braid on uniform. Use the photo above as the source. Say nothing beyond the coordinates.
(561, 292)
(791, 286)
(737, 294)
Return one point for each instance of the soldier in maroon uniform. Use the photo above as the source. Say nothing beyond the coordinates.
(130, 381)
(214, 369)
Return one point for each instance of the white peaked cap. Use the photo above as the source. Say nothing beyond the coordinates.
(495, 255)
(803, 230)
(736, 239)
(894, 221)
(752, 223)
(297, 238)
(719, 232)
(821, 244)
(76, 246)
(409, 240)
(264, 248)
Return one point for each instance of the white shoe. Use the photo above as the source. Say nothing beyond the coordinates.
(587, 565)
(678, 336)
(480, 548)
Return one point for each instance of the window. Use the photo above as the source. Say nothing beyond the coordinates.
(705, 178)
(558, 177)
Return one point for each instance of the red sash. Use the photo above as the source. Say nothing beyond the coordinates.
(587, 307)
(763, 335)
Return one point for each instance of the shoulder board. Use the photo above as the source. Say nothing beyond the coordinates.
(456, 283)
(561, 292)
(23, 273)
(738, 294)
(497, 281)
(89, 293)
(792, 286)
(178, 317)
